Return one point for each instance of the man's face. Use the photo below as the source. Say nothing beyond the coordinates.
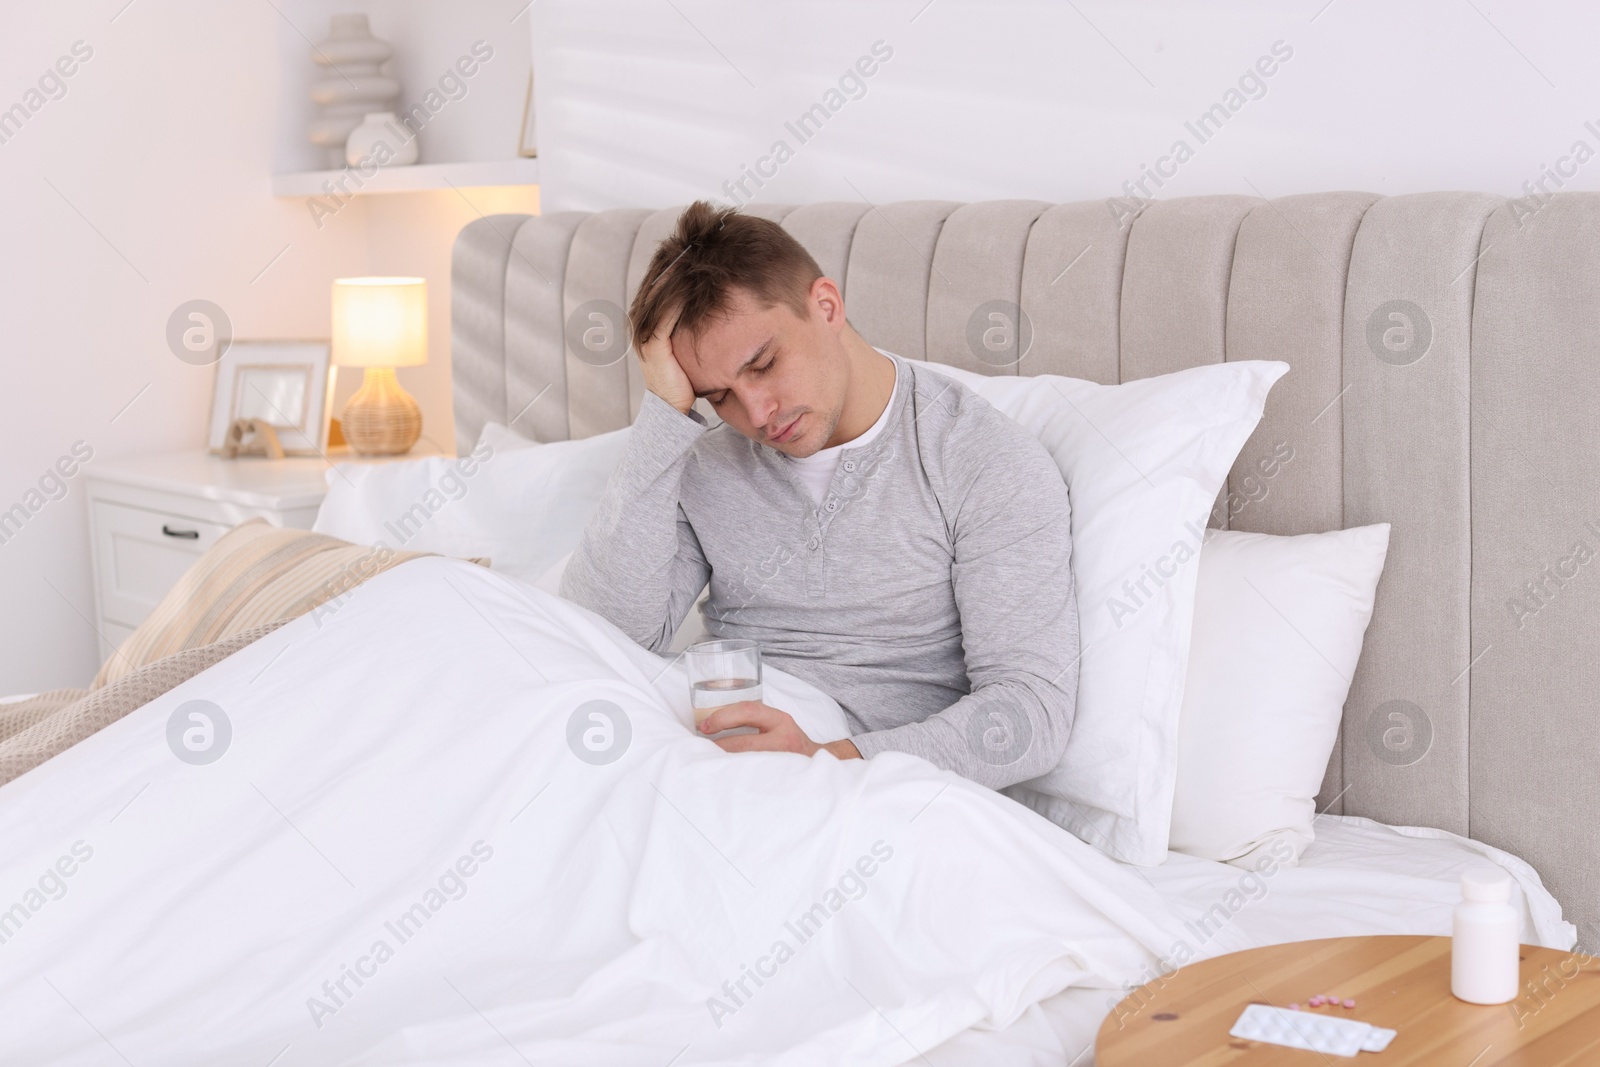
(774, 376)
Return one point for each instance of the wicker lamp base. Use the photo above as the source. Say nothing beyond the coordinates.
(381, 419)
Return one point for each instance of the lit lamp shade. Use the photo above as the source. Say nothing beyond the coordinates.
(380, 324)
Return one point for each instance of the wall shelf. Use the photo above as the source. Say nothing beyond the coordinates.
(413, 178)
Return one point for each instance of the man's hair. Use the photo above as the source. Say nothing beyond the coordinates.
(713, 253)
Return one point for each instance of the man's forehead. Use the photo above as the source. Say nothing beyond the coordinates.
(726, 363)
(726, 341)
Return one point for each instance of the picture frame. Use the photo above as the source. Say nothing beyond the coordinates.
(527, 146)
(282, 383)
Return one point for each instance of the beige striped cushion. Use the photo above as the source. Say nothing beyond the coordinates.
(255, 574)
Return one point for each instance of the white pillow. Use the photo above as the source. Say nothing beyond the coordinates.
(504, 439)
(1143, 462)
(521, 503)
(1278, 625)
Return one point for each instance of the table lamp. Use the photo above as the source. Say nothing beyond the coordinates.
(380, 324)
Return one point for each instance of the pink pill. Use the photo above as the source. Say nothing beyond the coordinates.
(1316, 1002)
(1294, 1007)
(1349, 1003)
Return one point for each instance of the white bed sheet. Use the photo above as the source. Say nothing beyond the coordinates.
(214, 904)
(1358, 877)
(410, 851)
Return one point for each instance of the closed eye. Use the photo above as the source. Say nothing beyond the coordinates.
(718, 401)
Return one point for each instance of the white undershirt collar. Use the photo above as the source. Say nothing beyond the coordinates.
(816, 471)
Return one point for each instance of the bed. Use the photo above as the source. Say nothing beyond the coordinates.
(535, 906)
(1481, 457)
(401, 854)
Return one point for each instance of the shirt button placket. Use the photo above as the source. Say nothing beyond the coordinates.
(815, 561)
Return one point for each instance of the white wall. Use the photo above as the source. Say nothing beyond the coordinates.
(162, 150)
(642, 105)
(147, 183)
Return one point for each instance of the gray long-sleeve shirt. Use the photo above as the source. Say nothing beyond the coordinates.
(930, 593)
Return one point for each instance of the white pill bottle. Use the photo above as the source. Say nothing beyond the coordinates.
(1485, 939)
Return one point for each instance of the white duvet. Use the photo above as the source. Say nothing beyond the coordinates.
(414, 850)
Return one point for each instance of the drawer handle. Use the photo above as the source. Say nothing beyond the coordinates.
(187, 535)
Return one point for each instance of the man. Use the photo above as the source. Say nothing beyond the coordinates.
(883, 532)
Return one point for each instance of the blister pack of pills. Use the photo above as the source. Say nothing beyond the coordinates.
(1310, 1030)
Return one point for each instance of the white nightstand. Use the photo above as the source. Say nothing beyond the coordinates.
(151, 517)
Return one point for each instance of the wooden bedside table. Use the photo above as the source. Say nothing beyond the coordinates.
(1402, 983)
(151, 517)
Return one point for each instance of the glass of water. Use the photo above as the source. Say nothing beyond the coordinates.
(722, 672)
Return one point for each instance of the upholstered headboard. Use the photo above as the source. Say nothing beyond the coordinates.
(1445, 378)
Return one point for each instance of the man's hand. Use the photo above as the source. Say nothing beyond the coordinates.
(778, 732)
(663, 374)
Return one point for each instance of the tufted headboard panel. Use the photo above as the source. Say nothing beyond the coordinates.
(1445, 379)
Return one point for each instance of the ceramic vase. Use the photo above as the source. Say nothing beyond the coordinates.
(381, 128)
(350, 84)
